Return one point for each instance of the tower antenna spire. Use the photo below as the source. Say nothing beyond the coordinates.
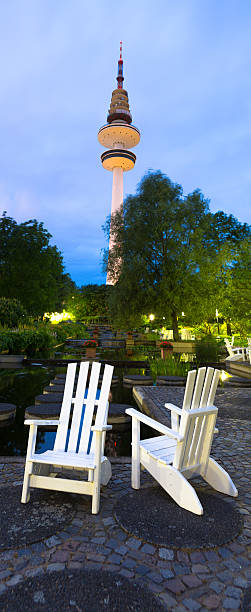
(120, 77)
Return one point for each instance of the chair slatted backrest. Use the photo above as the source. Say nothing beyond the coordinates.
(198, 419)
(103, 404)
(229, 347)
(60, 440)
(89, 402)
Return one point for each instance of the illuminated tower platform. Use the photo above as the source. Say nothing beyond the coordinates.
(118, 136)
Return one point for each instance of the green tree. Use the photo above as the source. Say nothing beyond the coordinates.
(31, 270)
(12, 312)
(168, 251)
(90, 301)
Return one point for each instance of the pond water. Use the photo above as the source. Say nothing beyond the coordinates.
(20, 386)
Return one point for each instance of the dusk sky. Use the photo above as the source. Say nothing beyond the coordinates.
(187, 70)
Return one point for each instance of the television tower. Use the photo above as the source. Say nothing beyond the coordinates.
(118, 136)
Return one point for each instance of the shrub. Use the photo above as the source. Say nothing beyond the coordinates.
(208, 349)
(168, 367)
(27, 341)
(12, 312)
(64, 330)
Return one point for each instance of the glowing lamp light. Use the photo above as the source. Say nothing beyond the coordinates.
(224, 375)
(57, 317)
(152, 317)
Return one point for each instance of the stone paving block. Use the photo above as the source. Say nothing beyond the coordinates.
(197, 557)
(55, 567)
(225, 576)
(15, 580)
(112, 543)
(180, 569)
(52, 541)
(233, 592)
(93, 556)
(78, 557)
(129, 563)
(191, 604)
(175, 586)
(5, 574)
(121, 550)
(70, 545)
(35, 571)
(182, 556)
(127, 573)
(225, 553)
(191, 581)
(216, 586)
(231, 604)
(198, 568)
(141, 570)
(20, 564)
(165, 553)
(61, 556)
(155, 577)
(148, 549)
(166, 573)
(211, 602)
(113, 558)
(154, 587)
(211, 555)
(236, 547)
(169, 601)
(243, 562)
(133, 543)
(98, 540)
(239, 581)
(138, 555)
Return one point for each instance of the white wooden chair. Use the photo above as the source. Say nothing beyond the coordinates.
(183, 451)
(236, 353)
(83, 447)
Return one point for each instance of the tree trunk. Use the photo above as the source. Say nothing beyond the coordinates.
(229, 329)
(175, 325)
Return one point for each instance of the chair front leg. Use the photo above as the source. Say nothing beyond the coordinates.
(135, 453)
(28, 465)
(97, 472)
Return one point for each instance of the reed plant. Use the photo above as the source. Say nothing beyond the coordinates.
(171, 366)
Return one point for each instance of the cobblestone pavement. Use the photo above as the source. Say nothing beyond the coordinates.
(198, 580)
(231, 403)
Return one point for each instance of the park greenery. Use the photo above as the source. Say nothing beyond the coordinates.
(31, 270)
(171, 255)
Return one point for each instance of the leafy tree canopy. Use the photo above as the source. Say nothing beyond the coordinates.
(168, 251)
(31, 270)
(89, 301)
(12, 313)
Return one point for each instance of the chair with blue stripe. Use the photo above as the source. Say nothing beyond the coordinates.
(79, 445)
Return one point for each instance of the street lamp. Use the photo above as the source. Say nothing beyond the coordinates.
(217, 319)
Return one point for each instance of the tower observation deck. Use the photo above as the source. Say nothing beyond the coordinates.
(118, 136)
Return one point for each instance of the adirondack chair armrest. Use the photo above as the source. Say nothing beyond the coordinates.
(174, 408)
(207, 410)
(101, 429)
(154, 424)
(39, 422)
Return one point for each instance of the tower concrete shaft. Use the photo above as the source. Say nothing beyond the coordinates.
(118, 136)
